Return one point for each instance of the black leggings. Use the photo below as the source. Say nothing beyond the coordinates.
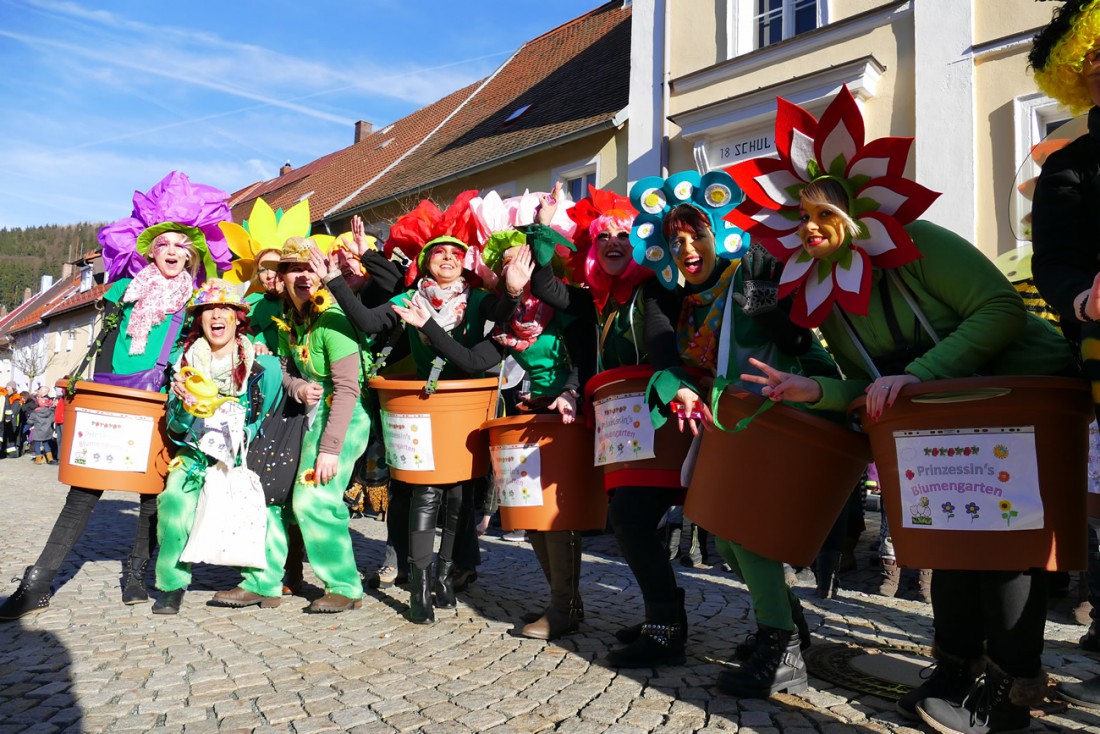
(1005, 610)
(634, 514)
(73, 519)
(423, 511)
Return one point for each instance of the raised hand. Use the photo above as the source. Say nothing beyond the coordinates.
(779, 385)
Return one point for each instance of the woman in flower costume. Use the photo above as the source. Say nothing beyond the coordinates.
(448, 315)
(169, 243)
(725, 311)
(218, 347)
(550, 345)
(902, 301)
(327, 351)
(608, 297)
(1065, 263)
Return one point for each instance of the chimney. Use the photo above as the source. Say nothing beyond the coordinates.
(285, 169)
(362, 130)
(45, 283)
(26, 294)
(66, 270)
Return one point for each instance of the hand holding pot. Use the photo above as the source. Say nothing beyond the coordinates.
(882, 393)
(690, 409)
(565, 404)
(324, 469)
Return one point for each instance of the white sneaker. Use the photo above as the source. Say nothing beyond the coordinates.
(515, 536)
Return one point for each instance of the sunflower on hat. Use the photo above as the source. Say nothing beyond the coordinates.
(881, 201)
(174, 204)
(261, 237)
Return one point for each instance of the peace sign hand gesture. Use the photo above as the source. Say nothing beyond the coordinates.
(781, 386)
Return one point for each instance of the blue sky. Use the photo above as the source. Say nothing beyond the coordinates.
(98, 99)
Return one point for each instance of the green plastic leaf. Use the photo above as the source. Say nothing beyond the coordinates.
(838, 166)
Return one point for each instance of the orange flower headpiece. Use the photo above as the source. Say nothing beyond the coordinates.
(416, 232)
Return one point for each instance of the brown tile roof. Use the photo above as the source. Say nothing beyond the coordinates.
(76, 300)
(575, 78)
(334, 177)
(39, 305)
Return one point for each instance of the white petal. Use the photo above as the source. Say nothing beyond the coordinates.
(839, 142)
(817, 292)
(795, 269)
(889, 200)
(776, 184)
(879, 241)
(850, 280)
(802, 152)
(871, 167)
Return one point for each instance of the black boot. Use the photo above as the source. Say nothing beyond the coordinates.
(995, 704)
(659, 640)
(745, 650)
(825, 568)
(627, 635)
(1091, 640)
(133, 581)
(169, 602)
(1085, 694)
(949, 678)
(775, 666)
(444, 587)
(420, 609)
(32, 596)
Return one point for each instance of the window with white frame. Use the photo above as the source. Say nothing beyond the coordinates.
(1042, 126)
(576, 179)
(71, 341)
(756, 24)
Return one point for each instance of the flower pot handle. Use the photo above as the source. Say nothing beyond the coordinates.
(966, 396)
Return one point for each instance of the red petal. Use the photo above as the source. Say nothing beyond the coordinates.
(881, 157)
(903, 251)
(790, 117)
(760, 222)
(840, 130)
(748, 175)
(811, 321)
(901, 198)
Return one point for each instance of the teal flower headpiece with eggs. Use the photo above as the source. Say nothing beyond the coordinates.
(714, 194)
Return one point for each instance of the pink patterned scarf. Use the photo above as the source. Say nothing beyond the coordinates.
(526, 326)
(154, 297)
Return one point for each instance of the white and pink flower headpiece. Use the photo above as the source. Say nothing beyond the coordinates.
(881, 201)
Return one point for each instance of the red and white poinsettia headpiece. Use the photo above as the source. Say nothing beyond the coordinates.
(599, 210)
(881, 201)
(416, 232)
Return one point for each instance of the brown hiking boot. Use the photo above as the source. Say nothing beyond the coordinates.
(239, 597)
(891, 578)
(332, 603)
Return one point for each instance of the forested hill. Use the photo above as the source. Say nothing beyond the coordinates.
(27, 254)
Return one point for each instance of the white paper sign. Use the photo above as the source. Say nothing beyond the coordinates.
(408, 440)
(623, 429)
(111, 441)
(517, 474)
(969, 479)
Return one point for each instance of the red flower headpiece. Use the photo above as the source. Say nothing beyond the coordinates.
(882, 202)
(584, 266)
(413, 232)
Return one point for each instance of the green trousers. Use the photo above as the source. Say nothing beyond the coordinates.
(176, 507)
(771, 597)
(321, 514)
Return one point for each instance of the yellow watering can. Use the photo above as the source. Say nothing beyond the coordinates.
(203, 390)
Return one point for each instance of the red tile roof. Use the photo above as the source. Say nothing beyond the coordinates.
(39, 305)
(575, 78)
(76, 300)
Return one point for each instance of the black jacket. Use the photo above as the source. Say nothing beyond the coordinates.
(1066, 225)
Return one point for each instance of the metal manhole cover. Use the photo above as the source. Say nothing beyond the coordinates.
(886, 671)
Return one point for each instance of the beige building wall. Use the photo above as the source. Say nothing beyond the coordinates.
(950, 72)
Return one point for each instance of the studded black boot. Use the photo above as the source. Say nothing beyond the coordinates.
(776, 665)
(32, 596)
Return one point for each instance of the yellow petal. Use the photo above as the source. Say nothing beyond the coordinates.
(240, 244)
(240, 271)
(294, 222)
(262, 226)
(324, 242)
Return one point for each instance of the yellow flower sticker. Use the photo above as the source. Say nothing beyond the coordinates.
(308, 478)
(174, 464)
(283, 326)
(322, 301)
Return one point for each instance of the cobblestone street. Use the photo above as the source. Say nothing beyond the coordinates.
(91, 664)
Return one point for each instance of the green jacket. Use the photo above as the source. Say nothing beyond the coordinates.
(982, 323)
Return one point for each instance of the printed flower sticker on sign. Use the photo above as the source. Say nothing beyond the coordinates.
(714, 194)
(881, 200)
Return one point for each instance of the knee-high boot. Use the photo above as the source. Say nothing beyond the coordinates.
(538, 545)
(444, 587)
(562, 616)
